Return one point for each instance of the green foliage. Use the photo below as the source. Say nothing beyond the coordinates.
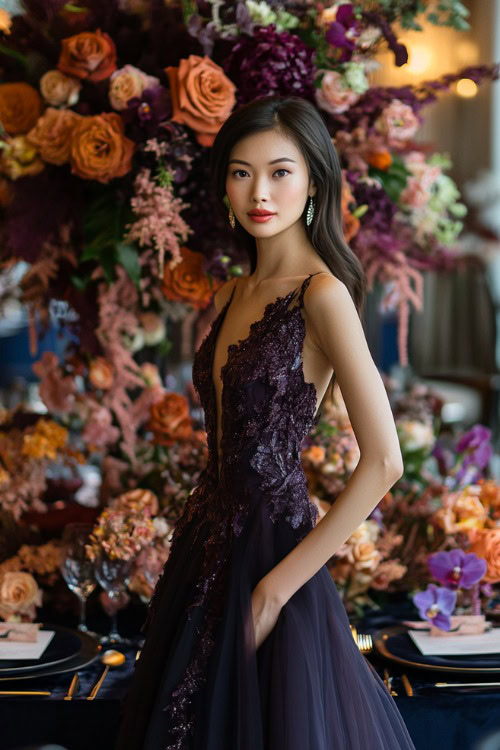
(394, 179)
(103, 230)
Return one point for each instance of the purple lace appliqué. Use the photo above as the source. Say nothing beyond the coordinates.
(267, 410)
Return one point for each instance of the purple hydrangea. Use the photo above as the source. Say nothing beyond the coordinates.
(457, 568)
(270, 63)
(436, 604)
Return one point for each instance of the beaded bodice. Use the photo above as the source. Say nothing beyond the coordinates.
(267, 408)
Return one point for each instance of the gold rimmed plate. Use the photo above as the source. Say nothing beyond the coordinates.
(394, 643)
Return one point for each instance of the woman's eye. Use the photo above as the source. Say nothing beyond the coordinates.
(282, 170)
(236, 171)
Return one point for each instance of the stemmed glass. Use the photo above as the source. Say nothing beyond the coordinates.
(113, 575)
(77, 568)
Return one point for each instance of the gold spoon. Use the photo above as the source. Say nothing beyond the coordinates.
(111, 658)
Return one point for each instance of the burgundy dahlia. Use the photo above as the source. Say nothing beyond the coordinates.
(270, 63)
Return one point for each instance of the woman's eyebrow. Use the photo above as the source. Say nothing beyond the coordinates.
(274, 161)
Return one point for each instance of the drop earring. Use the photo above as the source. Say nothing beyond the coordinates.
(310, 211)
(232, 220)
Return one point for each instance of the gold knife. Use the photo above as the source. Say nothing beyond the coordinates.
(98, 684)
(72, 687)
(407, 686)
(25, 692)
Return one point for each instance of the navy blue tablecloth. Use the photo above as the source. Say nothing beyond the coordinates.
(436, 721)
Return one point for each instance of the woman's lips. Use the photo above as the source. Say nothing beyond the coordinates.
(261, 219)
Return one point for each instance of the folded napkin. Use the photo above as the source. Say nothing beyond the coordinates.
(19, 631)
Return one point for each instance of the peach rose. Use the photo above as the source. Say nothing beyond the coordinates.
(90, 55)
(20, 158)
(170, 421)
(137, 500)
(99, 149)
(334, 96)
(101, 373)
(487, 545)
(19, 594)
(365, 556)
(187, 281)
(398, 122)
(202, 96)
(20, 107)
(52, 134)
(128, 82)
(59, 90)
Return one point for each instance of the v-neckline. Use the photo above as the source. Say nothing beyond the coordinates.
(231, 348)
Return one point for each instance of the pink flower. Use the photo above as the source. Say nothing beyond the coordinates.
(99, 429)
(398, 122)
(333, 96)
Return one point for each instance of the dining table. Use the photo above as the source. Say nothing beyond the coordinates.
(437, 719)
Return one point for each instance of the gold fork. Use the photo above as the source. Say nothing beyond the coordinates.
(364, 642)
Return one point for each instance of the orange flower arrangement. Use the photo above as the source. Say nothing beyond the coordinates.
(20, 107)
(170, 421)
(486, 543)
(187, 281)
(52, 134)
(99, 149)
(202, 96)
(90, 55)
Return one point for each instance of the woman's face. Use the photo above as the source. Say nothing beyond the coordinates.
(267, 172)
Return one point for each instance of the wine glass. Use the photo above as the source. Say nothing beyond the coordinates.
(113, 574)
(77, 568)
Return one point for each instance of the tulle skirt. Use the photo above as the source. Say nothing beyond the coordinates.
(307, 687)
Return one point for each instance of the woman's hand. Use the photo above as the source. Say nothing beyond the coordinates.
(265, 612)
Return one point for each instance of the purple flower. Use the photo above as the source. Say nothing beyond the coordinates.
(436, 604)
(336, 33)
(145, 113)
(457, 568)
(269, 63)
(478, 450)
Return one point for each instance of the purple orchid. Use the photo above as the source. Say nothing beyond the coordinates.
(144, 114)
(436, 604)
(336, 34)
(478, 450)
(456, 568)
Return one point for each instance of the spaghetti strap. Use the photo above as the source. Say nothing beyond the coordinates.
(304, 285)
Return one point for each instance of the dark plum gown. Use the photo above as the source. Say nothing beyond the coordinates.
(200, 683)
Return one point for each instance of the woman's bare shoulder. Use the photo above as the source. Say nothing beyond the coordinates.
(223, 293)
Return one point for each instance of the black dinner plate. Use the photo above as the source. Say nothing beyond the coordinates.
(65, 644)
(89, 652)
(395, 644)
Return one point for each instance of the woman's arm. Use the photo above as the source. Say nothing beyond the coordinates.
(332, 314)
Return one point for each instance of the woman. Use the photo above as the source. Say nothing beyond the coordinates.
(248, 644)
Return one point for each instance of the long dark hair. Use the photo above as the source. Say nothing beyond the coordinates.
(300, 121)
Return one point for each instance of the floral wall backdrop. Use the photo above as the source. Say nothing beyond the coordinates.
(108, 112)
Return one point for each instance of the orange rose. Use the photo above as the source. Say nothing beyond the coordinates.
(59, 90)
(170, 421)
(202, 96)
(487, 545)
(99, 149)
(187, 281)
(101, 373)
(52, 134)
(5, 21)
(90, 55)
(20, 107)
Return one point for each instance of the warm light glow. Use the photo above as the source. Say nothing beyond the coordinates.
(466, 88)
(419, 59)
